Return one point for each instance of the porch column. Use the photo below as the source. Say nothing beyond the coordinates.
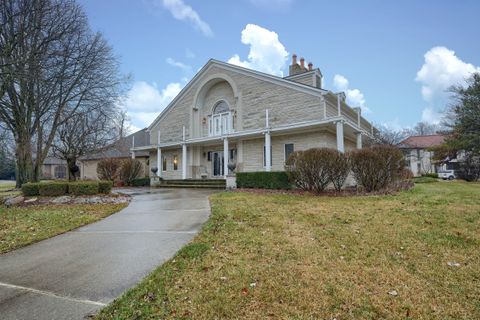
(340, 142)
(359, 140)
(159, 156)
(184, 161)
(133, 146)
(226, 157)
(184, 157)
(268, 144)
(159, 162)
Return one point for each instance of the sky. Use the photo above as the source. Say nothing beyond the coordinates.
(394, 59)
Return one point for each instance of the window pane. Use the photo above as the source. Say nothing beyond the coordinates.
(164, 163)
(175, 163)
(221, 107)
(288, 150)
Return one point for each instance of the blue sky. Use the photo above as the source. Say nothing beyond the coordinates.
(395, 59)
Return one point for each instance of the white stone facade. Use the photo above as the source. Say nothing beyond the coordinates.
(228, 114)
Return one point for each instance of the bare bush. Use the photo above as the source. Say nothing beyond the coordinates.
(130, 170)
(107, 169)
(338, 167)
(376, 167)
(308, 169)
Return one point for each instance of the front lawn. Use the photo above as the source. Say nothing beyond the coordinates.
(409, 256)
(7, 189)
(20, 226)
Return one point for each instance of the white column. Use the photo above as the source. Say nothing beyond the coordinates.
(184, 156)
(359, 140)
(324, 102)
(340, 143)
(159, 156)
(133, 146)
(339, 105)
(268, 143)
(184, 161)
(226, 157)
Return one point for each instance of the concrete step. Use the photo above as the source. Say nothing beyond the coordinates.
(193, 186)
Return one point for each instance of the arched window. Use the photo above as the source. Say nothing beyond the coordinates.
(221, 107)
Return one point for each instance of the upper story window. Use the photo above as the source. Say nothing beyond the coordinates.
(221, 120)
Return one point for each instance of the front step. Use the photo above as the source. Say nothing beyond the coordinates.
(194, 183)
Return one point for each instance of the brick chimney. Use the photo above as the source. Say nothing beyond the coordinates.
(310, 66)
(302, 63)
(294, 59)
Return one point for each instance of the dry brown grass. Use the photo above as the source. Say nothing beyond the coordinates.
(305, 257)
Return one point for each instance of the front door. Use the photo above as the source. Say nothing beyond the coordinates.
(218, 163)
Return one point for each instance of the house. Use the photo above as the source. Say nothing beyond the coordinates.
(54, 168)
(251, 120)
(118, 150)
(417, 154)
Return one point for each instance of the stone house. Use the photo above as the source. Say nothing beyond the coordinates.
(251, 120)
(118, 150)
(419, 158)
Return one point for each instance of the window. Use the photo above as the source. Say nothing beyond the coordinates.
(264, 157)
(60, 172)
(175, 162)
(164, 163)
(233, 152)
(288, 150)
(220, 122)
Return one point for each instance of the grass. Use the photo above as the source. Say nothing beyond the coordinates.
(20, 226)
(425, 180)
(7, 189)
(279, 256)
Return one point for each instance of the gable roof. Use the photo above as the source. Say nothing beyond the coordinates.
(422, 142)
(121, 148)
(242, 70)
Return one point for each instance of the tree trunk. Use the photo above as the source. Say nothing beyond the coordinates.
(24, 162)
(71, 162)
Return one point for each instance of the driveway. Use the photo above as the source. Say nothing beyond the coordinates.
(77, 273)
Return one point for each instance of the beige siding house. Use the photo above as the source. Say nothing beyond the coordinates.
(251, 120)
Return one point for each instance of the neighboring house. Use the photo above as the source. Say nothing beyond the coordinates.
(54, 168)
(119, 150)
(230, 114)
(418, 157)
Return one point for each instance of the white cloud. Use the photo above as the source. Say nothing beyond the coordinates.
(144, 102)
(178, 64)
(267, 53)
(442, 69)
(184, 12)
(355, 97)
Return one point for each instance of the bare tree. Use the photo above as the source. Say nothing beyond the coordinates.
(7, 159)
(387, 136)
(87, 131)
(51, 63)
(425, 128)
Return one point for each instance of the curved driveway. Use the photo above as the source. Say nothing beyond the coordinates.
(76, 273)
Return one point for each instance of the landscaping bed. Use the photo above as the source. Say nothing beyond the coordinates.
(413, 255)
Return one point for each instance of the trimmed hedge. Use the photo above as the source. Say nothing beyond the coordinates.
(56, 188)
(431, 175)
(52, 189)
(30, 189)
(141, 182)
(263, 180)
(105, 186)
(83, 188)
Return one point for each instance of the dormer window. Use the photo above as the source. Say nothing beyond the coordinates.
(220, 122)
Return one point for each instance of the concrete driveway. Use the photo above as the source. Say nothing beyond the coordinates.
(77, 273)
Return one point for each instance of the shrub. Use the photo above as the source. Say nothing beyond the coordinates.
(105, 186)
(130, 170)
(83, 188)
(309, 169)
(338, 167)
(30, 189)
(431, 175)
(141, 182)
(469, 168)
(107, 169)
(53, 189)
(376, 167)
(263, 180)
